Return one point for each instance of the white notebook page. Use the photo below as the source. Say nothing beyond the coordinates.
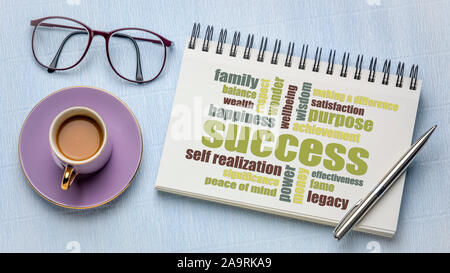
(342, 133)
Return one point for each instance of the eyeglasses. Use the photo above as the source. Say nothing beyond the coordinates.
(135, 54)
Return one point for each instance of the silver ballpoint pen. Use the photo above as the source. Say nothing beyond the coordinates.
(354, 215)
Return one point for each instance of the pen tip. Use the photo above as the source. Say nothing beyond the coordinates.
(432, 129)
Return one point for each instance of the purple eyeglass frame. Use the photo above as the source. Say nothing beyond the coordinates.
(104, 34)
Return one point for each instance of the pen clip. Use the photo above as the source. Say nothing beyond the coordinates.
(347, 215)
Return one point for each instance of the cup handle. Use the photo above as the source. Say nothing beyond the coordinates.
(68, 177)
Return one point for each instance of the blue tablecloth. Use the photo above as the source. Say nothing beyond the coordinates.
(143, 219)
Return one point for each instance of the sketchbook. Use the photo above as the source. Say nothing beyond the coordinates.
(299, 136)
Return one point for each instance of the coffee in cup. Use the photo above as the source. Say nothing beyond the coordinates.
(79, 141)
(79, 137)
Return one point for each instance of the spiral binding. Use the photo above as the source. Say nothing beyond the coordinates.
(344, 65)
(208, 38)
(413, 75)
(331, 62)
(386, 72)
(262, 49)
(194, 35)
(372, 69)
(276, 51)
(290, 52)
(235, 43)
(248, 46)
(303, 56)
(222, 40)
(358, 67)
(400, 70)
(302, 62)
(316, 65)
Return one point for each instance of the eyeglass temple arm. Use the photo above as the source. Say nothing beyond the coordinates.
(54, 62)
(164, 40)
(139, 76)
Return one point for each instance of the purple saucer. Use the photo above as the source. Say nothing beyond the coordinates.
(88, 191)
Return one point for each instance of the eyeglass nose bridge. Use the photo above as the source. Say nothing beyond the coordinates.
(104, 34)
